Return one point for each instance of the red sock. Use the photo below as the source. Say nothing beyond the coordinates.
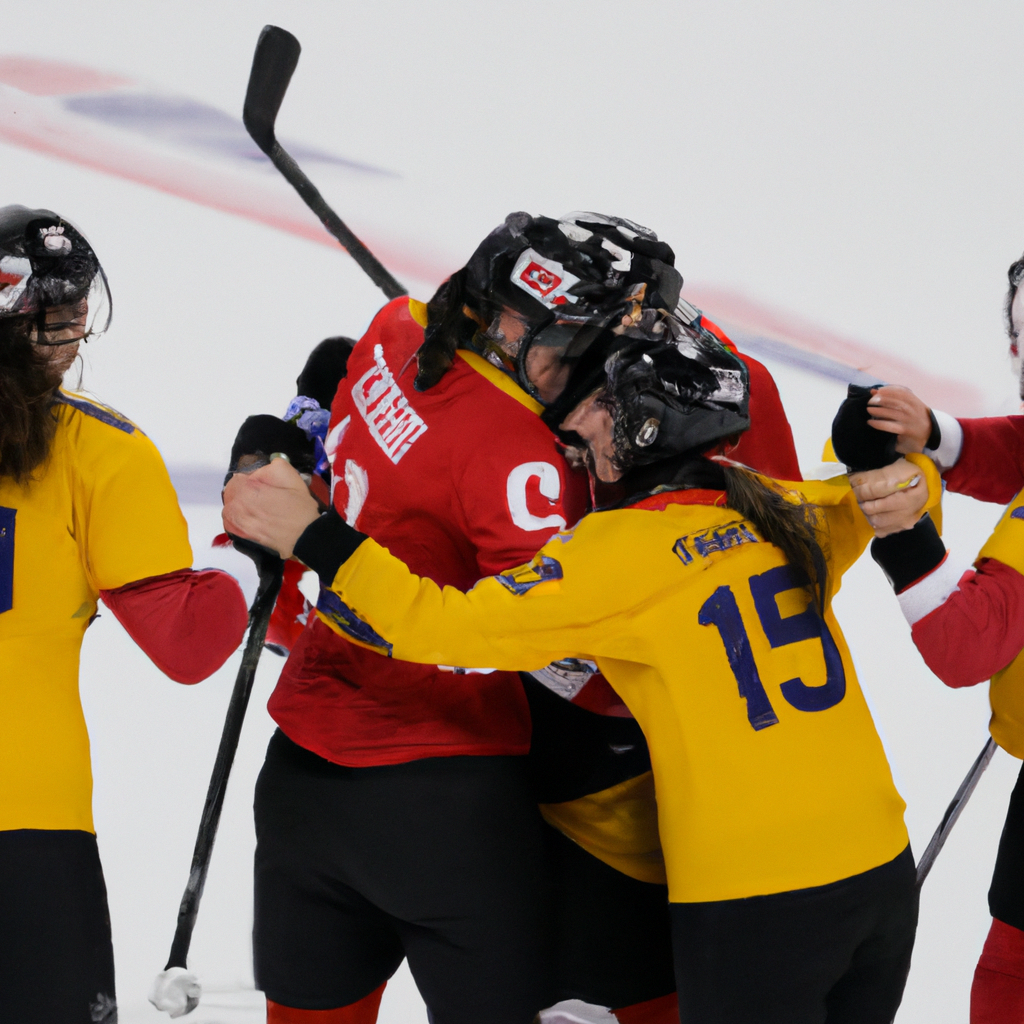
(664, 1010)
(997, 994)
(363, 1012)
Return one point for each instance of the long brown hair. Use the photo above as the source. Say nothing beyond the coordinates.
(28, 418)
(789, 525)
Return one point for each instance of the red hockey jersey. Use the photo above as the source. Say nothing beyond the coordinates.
(460, 482)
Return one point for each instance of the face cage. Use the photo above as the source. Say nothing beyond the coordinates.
(99, 302)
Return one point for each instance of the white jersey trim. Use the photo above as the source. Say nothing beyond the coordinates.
(951, 443)
(931, 591)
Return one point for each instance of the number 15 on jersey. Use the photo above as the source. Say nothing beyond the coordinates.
(722, 611)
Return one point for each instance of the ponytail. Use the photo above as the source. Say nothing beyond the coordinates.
(788, 525)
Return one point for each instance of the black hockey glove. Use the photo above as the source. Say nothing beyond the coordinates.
(324, 370)
(856, 444)
(257, 439)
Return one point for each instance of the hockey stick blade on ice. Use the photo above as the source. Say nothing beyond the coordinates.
(273, 63)
(954, 810)
(175, 990)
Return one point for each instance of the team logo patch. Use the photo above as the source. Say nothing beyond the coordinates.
(545, 280)
(526, 577)
(332, 608)
(707, 542)
(393, 423)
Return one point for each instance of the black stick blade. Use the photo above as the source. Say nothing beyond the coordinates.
(273, 63)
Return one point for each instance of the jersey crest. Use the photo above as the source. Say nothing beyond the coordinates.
(526, 577)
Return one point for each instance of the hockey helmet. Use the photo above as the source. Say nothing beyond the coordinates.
(564, 279)
(45, 261)
(671, 390)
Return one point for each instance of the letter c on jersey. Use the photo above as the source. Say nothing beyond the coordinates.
(550, 487)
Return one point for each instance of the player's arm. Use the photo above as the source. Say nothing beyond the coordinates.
(138, 558)
(982, 458)
(966, 625)
(520, 620)
(894, 498)
(990, 466)
(187, 622)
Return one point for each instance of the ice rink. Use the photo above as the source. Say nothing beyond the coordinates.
(857, 166)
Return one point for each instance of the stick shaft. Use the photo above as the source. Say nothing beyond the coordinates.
(954, 810)
(259, 619)
(369, 263)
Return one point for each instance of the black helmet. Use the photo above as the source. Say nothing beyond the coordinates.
(45, 262)
(672, 389)
(567, 279)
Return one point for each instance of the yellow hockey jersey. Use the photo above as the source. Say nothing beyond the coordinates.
(769, 773)
(99, 513)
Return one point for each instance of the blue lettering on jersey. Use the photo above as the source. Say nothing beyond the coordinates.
(332, 607)
(718, 538)
(7, 558)
(98, 412)
(1017, 513)
(526, 577)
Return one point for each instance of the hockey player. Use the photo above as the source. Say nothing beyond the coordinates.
(704, 599)
(969, 626)
(620, 956)
(87, 512)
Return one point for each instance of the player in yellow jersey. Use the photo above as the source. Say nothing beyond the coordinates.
(87, 511)
(704, 598)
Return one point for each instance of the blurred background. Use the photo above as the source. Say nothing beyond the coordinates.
(852, 167)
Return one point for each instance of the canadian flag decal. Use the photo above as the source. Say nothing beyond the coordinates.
(540, 278)
(545, 280)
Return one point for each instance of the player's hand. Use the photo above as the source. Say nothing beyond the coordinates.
(892, 498)
(897, 410)
(271, 506)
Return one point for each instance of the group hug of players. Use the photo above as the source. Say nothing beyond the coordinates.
(572, 727)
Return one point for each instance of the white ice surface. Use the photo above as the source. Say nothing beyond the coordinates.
(856, 164)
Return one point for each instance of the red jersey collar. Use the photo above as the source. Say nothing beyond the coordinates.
(688, 496)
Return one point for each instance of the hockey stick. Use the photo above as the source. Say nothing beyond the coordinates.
(175, 990)
(273, 63)
(954, 810)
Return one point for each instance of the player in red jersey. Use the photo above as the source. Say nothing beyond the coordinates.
(969, 625)
(467, 512)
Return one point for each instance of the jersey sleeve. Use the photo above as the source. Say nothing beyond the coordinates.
(126, 508)
(551, 608)
(187, 622)
(973, 630)
(991, 462)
